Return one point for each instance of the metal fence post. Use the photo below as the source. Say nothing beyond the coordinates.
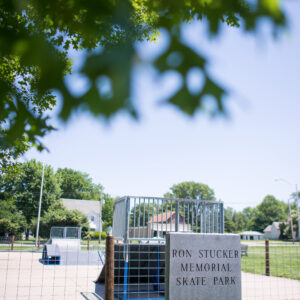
(12, 242)
(221, 218)
(267, 258)
(204, 218)
(109, 268)
(177, 216)
(127, 220)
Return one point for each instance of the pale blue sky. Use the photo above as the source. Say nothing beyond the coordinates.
(238, 157)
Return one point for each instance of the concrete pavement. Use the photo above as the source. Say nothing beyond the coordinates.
(22, 277)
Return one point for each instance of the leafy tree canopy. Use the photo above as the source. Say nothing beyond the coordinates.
(286, 227)
(269, 211)
(77, 185)
(191, 190)
(228, 220)
(107, 211)
(11, 221)
(59, 215)
(24, 187)
(236, 221)
(36, 36)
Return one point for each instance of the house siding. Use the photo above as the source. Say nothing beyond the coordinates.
(272, 233)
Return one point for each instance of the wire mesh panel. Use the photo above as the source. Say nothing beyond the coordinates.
(73, 232)
(271, 270)
(57, 232)
(24, 274)
(65, 232)
(139, 271)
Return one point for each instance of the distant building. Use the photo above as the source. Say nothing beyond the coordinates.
(89, 208)
(159, 225)
(251, 235)
(162, 223)
(272, 232)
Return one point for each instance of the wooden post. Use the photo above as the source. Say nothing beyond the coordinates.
(267, 258)
(88, 245)
(12, 242)
(39, 242)
(109, 268)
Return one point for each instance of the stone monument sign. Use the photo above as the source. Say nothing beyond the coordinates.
(203, 266)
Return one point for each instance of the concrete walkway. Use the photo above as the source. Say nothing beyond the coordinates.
(22, 277)
(269, 288)
(258, 287)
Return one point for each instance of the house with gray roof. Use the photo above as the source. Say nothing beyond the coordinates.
(89, 208)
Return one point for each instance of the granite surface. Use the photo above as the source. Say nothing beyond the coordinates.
(203, 266)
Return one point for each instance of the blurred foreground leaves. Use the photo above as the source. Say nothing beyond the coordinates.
(36, 35)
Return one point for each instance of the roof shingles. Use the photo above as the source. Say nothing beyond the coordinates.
(85, 206)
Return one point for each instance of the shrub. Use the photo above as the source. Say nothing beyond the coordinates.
(96, 235)
(58, 215)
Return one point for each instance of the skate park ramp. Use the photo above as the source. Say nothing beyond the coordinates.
(60, 252)
(63, 248)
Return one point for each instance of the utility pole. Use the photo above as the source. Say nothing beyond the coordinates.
(291, 220)
(100, 216)
(40, 205)
(298, 214)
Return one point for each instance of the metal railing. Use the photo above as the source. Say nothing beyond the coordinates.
(150, 218)
(65, 232)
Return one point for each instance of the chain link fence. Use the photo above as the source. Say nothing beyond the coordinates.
(23, 275)
(269, 270)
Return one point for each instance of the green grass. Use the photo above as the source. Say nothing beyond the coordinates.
(262, 242)
(284, 261)
(92, 242)
(84, 247)
(17, 248)
(30, 242)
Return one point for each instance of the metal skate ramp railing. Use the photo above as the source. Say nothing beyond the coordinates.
(150, 218)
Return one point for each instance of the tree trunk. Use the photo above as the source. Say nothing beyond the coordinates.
(27, 234)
